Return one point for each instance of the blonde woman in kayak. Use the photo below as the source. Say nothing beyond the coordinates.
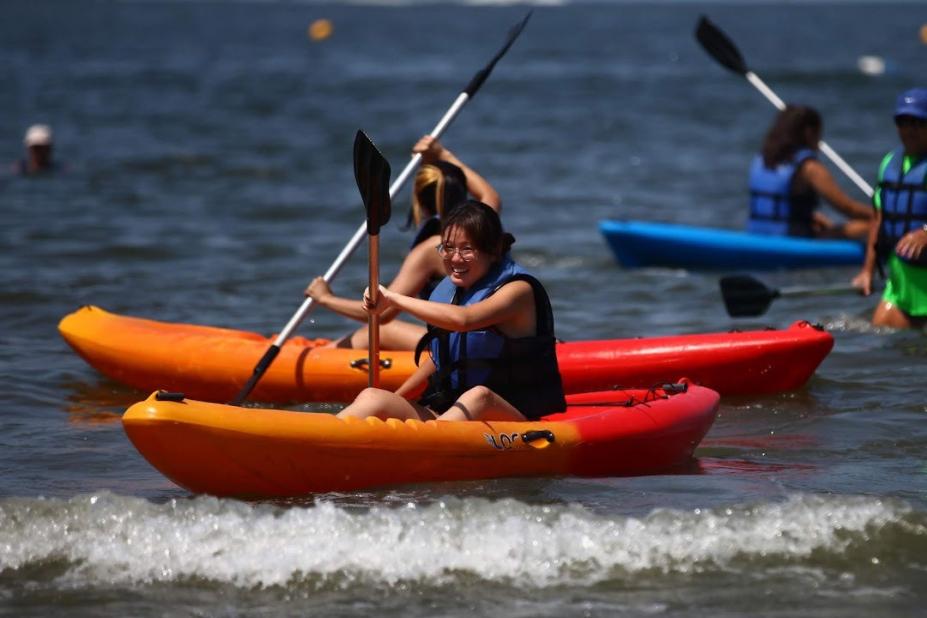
(787, 182)
(490, 336)
(441, 183)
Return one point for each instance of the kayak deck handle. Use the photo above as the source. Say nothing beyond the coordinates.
(529, 437)
(169, 396)
(359, 363)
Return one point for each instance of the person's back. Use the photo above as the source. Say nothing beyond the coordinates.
(777, 206)
(787, 181)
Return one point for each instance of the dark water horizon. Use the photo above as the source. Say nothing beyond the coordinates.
(206, 151)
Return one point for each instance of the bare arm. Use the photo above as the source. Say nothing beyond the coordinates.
(417, 268)
(864, 279)
(511, 309)
(815, 174)
(477, 186)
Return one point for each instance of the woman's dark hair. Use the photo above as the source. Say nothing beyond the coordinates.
(482, 225)
(439, 188)
(788, 133)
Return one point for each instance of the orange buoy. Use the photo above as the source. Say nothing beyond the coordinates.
(320, 29)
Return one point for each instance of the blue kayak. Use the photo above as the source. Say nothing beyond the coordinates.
(644, 243)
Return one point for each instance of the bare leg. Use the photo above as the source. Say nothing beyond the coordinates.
(384, 404)
(887, 314)
(481, 404)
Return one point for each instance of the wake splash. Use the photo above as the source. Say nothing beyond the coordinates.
(105, 539)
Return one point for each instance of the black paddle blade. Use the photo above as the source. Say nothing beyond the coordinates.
(371, 171)
(745, 296)
(483, 73)
(719, 46)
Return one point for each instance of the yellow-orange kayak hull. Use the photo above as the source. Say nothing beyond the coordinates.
(250, 452)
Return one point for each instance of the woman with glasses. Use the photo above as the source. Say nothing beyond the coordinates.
(787, 182)
(898, 234)
(490, 342)
(442, 182)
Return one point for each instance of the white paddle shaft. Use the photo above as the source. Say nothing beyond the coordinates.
(837, 160)
(361, 232)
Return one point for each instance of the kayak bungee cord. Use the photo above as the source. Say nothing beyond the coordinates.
(650, 395)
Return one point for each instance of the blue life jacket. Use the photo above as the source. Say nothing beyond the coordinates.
(522, 370)
(903, 198)
(774, 209)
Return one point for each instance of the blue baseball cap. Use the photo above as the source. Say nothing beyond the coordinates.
(912, 102)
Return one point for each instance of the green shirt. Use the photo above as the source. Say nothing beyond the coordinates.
(906, 287)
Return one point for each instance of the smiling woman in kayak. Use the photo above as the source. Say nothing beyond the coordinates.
(442, 183)
(787, 180)
(490, 335)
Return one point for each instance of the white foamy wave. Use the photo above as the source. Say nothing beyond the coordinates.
(855, 324)
(111, 539)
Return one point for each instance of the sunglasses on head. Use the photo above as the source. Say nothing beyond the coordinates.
(910, 121)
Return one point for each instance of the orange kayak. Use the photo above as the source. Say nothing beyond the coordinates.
(213, 364)
(257, 453)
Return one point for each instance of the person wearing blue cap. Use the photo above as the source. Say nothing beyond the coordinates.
(899, 231)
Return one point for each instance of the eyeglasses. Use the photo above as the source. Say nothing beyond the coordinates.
(910, 121)
(447, 252)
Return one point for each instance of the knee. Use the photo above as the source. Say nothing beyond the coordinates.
(370, 395)
(367, 403)
(479, 396)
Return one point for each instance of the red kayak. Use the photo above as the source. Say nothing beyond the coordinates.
(212, 364)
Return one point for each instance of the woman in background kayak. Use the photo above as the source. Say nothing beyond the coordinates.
(787, 180)
(899, 230)
(442, 183)
(490, 337)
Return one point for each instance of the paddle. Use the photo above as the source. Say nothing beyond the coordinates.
(746, 296)
(722, 49)
(468, 93)
(371, 171)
